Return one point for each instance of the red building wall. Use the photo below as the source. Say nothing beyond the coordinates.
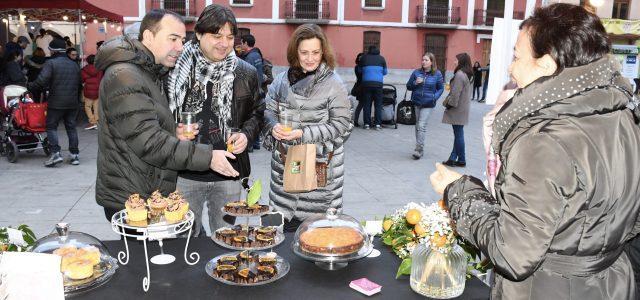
(353, 11)
(261, 9)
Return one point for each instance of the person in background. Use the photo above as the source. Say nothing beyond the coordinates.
(253, 56)
(485, 83)
(10, 71)
(356, 91)
(223, 92)
(311, 91)
(62, 78)
(17, 47)
(34, 65)
(91, 78)
(477, 81)
(374, 68)
(457, 108)
(566, 195)
(140, 146)
(72, 54)
(426, 85)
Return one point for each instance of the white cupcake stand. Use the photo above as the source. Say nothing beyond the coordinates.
(154, 232)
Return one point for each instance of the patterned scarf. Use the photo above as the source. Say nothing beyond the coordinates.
(188, 81)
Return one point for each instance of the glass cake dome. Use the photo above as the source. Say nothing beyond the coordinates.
(331, 235)
(85, 261)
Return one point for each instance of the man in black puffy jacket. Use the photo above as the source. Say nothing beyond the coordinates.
(140, 147)
(62, 77)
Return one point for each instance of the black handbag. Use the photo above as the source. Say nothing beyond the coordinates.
(406, 112)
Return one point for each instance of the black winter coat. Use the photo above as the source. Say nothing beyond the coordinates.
(138, 151)
(62, 77)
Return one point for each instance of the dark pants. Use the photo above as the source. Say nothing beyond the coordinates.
(476, 91)
(69, 117)
(359, 107)
(484, 89)
(457, 154)
(373, 94)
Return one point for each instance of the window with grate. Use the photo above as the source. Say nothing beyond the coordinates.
(437, 44)
(620, 9)
(240, 1)
(370, 38)
(373, 3)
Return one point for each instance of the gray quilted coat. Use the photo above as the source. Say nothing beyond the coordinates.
(321, 109)
(567, 192)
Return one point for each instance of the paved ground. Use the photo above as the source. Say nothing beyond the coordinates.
(380, 176)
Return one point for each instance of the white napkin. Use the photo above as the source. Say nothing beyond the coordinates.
(33, 276)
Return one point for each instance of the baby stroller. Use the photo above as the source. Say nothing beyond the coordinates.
(389, 95)
(23, 123)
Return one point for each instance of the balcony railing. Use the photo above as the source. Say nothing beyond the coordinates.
(486, 17)
(307, 11)
(185, 8)
(438, 15)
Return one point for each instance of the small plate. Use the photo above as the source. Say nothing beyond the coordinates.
(278, 239)
(282, 267)
(102, 272)
(245, 215)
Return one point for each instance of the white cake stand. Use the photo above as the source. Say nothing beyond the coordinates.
(157, 231)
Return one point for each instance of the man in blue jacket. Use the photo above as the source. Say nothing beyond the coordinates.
(373, 68)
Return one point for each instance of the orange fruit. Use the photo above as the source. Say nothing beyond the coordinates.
(413, 216)
(441, 204)
(386, 225)
(419, 230)
(438, 240)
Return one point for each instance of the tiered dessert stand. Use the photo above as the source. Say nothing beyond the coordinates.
(158, 232)
(282, 265)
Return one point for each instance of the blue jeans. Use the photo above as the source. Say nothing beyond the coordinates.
(372, 94)
(422, 117)
(484, 89)
(54, 116)
(457, 154)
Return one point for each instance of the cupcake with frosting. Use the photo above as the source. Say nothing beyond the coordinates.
(136, 210)
(157, 203)
(175, 211)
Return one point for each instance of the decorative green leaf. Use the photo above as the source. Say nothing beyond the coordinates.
(405, 268)
(254, 193)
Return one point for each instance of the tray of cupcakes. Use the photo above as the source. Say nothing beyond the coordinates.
(247, 268)
(155, 211)
(245, 237)
(242, 209)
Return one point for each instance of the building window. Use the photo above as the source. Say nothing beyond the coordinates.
(373, 4)
(437, 44)
(241, 2)
(370, 38)
(620, 9)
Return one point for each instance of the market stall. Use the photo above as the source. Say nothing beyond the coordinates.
(75, 13)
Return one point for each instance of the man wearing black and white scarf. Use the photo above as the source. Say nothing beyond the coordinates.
(223, 92)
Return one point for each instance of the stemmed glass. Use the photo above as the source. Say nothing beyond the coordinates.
(372, 228)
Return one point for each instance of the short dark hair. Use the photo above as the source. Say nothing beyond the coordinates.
(91, 59)
(71, 49)
(98, 44)
(249, 39)
(151, 20)
(214, 17)
(42, 31)
(570, 34)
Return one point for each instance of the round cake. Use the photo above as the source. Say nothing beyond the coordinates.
(331, 240)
